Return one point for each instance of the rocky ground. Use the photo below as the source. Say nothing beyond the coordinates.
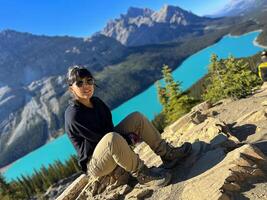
(228, 159)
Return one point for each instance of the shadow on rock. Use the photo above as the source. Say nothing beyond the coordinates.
(262, 145)
(242, 132)
(203, 157)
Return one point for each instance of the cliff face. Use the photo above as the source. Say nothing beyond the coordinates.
(228, 159)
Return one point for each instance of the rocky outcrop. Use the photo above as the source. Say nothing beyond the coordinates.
(58, 188)
(224, 164)
(224, 181)
(74, 189)
(145, 26)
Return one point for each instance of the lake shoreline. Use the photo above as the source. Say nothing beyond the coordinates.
(255, 43)
(5, 168)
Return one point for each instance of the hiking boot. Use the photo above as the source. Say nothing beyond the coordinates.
(119, 176)
(175, 154)
(111, 181)
(149, 177)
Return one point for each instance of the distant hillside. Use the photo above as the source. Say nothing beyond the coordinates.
(34, 57)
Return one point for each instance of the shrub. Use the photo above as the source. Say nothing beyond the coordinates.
(229, 78)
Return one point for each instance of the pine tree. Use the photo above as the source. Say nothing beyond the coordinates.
(71, 165)
(53, 175)
(38, 182)
(239, 78)
(74, 161)
(45, 178)
(23, 188)
(60, 169)
(163, 97)
(28, 185)
(175, 102)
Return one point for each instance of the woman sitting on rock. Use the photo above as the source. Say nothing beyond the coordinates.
(101, 147)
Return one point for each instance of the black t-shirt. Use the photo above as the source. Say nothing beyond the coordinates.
(86, 126)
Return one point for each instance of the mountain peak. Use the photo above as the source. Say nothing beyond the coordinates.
(133, 12)
(173, 15)
(171, 8)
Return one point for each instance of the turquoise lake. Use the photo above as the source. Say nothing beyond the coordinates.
(191, 70)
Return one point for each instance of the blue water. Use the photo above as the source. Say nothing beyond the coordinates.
(191, 70)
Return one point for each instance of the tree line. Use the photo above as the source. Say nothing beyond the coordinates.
(27, 187)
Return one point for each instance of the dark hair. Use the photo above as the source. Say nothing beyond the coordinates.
(76, 73)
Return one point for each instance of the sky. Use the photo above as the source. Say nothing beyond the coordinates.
(82, 18)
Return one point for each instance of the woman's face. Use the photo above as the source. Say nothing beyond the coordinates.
(83, 89)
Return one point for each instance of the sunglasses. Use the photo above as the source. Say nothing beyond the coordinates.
(80, 83)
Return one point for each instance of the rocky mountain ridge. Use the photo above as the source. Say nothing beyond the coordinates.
(41, 56)
(228, 161)
(135, 27)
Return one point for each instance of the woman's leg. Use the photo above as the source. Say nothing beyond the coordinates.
(140, 125)
(112, 150)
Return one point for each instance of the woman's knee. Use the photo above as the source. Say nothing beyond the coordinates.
(116, 143)
(113, 137)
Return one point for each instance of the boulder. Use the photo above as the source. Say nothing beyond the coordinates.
(74, 189)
